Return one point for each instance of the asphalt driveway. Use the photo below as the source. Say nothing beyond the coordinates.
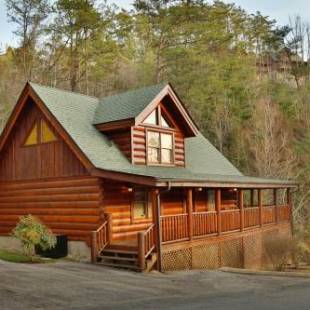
(66, 285)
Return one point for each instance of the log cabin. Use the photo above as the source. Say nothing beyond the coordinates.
(133, 183)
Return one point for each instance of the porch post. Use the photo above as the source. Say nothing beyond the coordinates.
(260, 205)
(252, 197)
(189, 203)
(275, 203)
(218, 209)
(155, 216)
(241, 207)
(289, 203)
(156, 213)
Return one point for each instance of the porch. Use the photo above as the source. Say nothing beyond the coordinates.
(220, 214)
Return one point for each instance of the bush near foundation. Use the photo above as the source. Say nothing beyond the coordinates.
(278, 250)
(31, 232)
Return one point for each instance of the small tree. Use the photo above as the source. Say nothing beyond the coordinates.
(31, 232)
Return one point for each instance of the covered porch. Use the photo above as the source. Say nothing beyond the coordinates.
(231, 210)
(181, 215)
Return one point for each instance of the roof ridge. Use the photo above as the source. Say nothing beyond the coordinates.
(63, 90)
(133, 90)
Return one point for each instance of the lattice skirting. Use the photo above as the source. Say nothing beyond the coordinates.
(241, 250)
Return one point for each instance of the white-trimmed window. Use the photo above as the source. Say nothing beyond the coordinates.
(159, 147)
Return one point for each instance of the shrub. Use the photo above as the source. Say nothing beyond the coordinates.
(31, 232)
(279, 250)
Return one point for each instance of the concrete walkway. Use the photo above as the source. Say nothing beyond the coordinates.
(66, 285)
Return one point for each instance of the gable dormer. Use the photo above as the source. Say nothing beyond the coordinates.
(149, 125)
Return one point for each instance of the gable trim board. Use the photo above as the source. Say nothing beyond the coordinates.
(73, 114)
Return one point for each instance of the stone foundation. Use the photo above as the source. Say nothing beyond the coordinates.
(239, 250)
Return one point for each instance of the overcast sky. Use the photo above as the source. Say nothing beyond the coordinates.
(276, 9)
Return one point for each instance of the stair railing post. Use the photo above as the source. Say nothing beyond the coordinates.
(109, 218)
(141, 251)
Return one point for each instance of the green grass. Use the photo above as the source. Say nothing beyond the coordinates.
(15, 257)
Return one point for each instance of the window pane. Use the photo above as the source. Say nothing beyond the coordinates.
(140, 206)
(139, 209)
(152, 118)
(166, 141)
(153, 139)
(153, 155)
(46, 134)
(164, 123)
(33, 136)
(166, 156)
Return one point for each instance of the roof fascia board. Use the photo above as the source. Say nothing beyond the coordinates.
(167, 90)
(14, 115)
(124, 177)
(211, 184)
(114, 125)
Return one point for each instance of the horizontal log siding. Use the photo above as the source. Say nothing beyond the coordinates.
(48, 160)
(123, 140)
(68, 205)
(117, 201)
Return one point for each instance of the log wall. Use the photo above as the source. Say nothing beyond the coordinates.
(66, 205)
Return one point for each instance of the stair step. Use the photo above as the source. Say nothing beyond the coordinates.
(120, 251)
(131, 259)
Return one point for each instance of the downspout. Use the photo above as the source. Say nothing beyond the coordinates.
(159, 235)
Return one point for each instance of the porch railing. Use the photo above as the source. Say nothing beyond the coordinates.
(230, 220)
(284, 213)
(251, 217)
(100, 239)
(175, 228)
(204, 223)
(146, 245)
(269, 214)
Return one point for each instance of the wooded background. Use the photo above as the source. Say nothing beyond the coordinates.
(245, 80)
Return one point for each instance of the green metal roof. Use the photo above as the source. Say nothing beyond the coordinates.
(76, 113)
(125, 105)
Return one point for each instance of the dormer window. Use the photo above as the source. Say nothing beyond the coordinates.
(156, 118)
(159, 147)
(152, 119)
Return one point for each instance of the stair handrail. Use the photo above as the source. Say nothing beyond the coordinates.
(100, 239)
(146, 245)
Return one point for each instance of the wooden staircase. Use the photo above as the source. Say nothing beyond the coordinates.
(125, 258)
(139, 255)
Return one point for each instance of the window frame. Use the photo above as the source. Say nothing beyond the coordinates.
(147, 206)
(160, 132)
